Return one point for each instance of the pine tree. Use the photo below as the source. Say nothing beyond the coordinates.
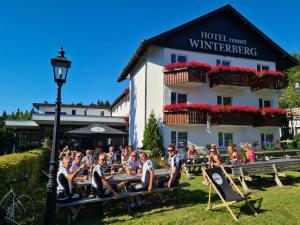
(152, 138)
(107, 104)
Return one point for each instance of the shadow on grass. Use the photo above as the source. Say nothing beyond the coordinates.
(261, 183)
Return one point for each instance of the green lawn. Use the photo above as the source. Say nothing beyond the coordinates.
(275, 205)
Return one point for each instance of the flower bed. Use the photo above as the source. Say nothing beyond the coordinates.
(268, 80)
(220, 69)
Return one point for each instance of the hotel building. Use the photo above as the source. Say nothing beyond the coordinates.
(221, 83)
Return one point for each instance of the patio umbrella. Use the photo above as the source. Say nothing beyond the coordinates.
(94, 130)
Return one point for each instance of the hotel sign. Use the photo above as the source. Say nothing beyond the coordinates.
(222, 43)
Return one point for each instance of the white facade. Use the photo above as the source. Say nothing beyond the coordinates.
(158, 95)
(80, 111)
(122, 107)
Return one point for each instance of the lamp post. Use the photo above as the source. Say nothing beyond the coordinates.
(60, 69)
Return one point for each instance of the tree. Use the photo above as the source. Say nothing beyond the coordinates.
(152, 138)
(107, 104)
(290, 98)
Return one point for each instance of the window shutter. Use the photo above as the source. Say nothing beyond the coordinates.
(219, 100)
(258, 68)
(260, 103)
(173, 97)
(173, 58)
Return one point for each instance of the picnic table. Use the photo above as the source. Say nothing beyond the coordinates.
(275, 167)
(193, 162)
(123, 177)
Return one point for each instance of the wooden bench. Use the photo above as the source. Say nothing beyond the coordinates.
(123, 195)
(193, 165)
(243, 172)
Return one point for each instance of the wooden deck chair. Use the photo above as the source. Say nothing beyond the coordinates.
(228, 196)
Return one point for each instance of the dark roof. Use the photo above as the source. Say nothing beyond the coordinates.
(91, 106)
(288, 60)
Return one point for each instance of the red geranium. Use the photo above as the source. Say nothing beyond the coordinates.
(273, 111)
(191, 64)
(273, 73)
(231, 69)
(233, 108)
(183, 106)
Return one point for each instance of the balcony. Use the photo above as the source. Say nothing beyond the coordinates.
(190, 76)
(186, 74)
(268, 82)
(185, 116)
(232, 118)
(269, 120)
(223, 76)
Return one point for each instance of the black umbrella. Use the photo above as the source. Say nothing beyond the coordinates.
(94, 130)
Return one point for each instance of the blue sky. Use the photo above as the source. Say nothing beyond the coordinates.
(99, 37)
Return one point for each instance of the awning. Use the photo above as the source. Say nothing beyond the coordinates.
(94, 130)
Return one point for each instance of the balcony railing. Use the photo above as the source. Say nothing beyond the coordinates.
(232, 118)
(184, 75)
(230, 79)
(268, 82)
(185, 116)
(271, 120)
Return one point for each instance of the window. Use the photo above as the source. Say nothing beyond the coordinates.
(173, 137)
(182, 138)
(264, 103)
(178, 58)
(181, 98)
(85, 112)
(266, 139)
(178, 138)
(73, 111)
(262, 67)
(224, 100)
(101, 113)
(178, 98)
(222, 62)
(225, 139)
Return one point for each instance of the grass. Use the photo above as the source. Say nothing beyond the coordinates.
(275, 205)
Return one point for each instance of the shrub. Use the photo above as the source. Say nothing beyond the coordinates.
(17, 165)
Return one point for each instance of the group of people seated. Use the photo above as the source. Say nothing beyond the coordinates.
(97, 164)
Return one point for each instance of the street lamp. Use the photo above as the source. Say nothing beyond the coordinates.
(60, 69)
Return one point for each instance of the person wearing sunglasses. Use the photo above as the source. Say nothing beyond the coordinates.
(175, 167)
(101, 186)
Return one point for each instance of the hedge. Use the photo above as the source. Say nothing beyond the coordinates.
(16, 165)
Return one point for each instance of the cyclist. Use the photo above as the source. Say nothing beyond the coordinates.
(64, 180)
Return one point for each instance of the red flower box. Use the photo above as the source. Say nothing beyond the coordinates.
(273, 111)
(272, 73)
(220, 69)
(234, 108)
(192, 64)
(185, 106)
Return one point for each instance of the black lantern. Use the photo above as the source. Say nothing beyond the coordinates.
(60, 67)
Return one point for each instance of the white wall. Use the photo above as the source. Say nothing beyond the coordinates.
(137, 105)
(79, 111)
(122, 108)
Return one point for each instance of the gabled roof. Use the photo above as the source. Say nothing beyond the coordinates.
(286, 59)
